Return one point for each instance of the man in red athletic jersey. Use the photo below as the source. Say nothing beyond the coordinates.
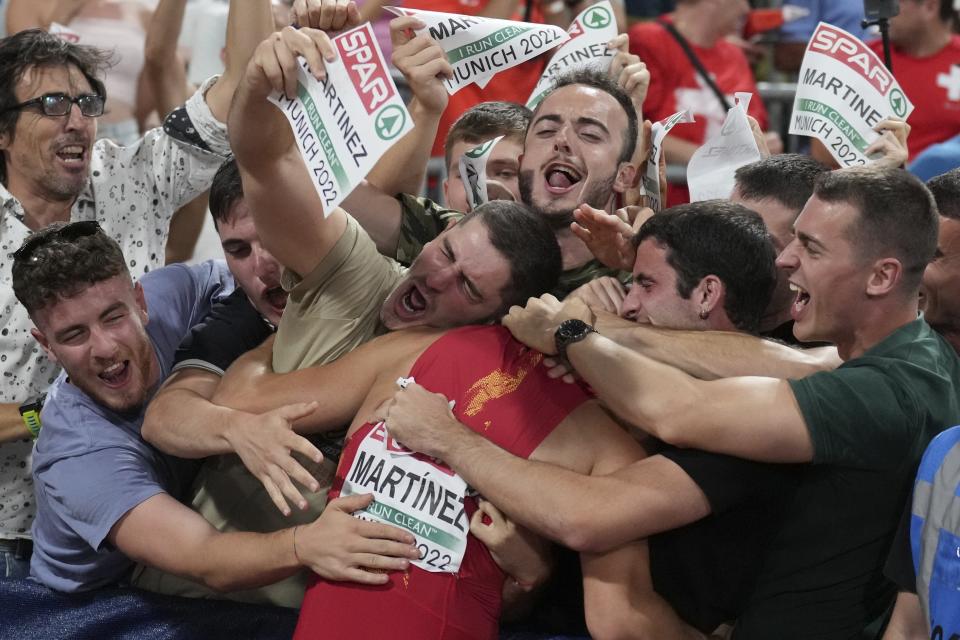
(498, 390)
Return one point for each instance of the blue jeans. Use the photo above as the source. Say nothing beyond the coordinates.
(13, 565)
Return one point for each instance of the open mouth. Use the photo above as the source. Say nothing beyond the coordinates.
(800, 302)
(276, 297)
(561, 178)
(412, 303)
(116, 375)
(73, 155)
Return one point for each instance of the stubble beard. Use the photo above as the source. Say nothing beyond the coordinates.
(597, 195)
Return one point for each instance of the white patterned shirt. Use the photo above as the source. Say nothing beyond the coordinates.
(132, 192)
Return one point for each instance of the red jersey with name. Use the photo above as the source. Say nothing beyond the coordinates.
(933, 86)
(500, 391)
(675, 85)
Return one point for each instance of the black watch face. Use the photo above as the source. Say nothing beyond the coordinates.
(572, 328)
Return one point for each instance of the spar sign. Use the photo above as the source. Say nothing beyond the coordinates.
(651, 179)
(844, 91)
(479, 48)
(346, 122)
(587, 48)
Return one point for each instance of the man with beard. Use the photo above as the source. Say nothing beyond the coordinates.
(862, 242)
(721, 291)
(52, 170)
(568, 143)
(105, 498)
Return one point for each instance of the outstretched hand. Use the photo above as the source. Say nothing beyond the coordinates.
(338, 546)
(265, 444)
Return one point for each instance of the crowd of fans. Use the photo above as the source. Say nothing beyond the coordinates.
(558, 413)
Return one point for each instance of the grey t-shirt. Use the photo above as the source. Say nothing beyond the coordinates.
(90, 464)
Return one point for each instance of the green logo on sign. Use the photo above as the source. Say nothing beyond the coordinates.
(597, 18)
(898, 102)
(476, 152)
(390, 122)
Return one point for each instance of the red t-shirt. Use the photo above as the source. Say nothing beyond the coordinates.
(676, 85)
(500, 391)
(933, 86)
(513, 85)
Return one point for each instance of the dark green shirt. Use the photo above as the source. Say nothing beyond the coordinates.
(423, 220)
(870, 421)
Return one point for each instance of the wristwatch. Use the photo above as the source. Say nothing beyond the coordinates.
(30, 413)
(569, 332)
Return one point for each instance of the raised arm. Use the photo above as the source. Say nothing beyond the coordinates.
(163, 69)
(402, 168)
(248, 23)
(277, 187)
(423, 64)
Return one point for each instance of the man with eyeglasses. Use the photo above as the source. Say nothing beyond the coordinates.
(52, 171)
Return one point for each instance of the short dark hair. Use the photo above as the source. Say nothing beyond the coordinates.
(897, 216)
(485, 121)
(946, 193)
(724, 239)
(225, 191)
(529, 244)
(62, 268)
(787, 178)
(37, 48)
(600, 80)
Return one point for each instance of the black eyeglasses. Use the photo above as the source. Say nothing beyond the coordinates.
(68, 232)
(59, 104)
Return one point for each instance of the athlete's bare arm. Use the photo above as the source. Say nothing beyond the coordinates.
(342, 389)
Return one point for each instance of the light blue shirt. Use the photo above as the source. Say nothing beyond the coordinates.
(90, 465)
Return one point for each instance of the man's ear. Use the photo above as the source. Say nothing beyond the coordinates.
(141, 303)
(709, 294)
(44, 343)
(446, 196)
(626, 177)
(884, 277)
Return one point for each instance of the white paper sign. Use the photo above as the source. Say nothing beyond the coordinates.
(710, 173)
(479, 48)
(473, 172)
(651, 179)
(345, 123)
(843, 91)
(587, 47)
(413, 492)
